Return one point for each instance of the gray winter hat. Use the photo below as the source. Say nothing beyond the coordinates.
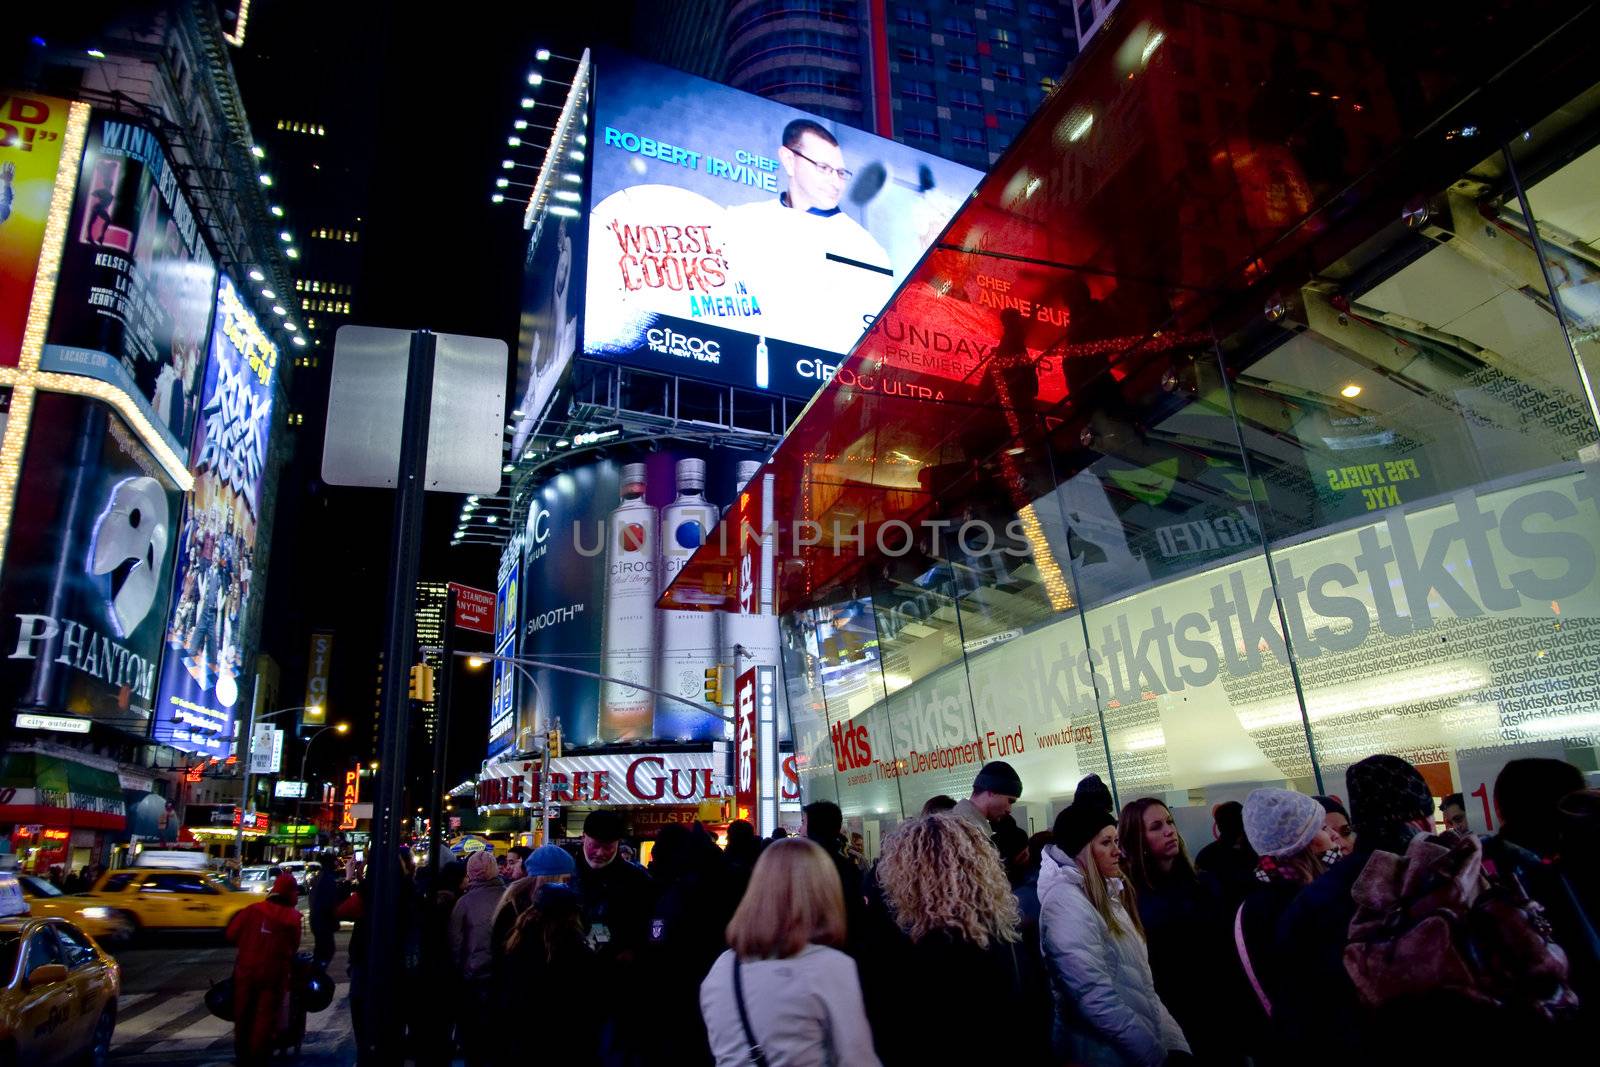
(1280, 822)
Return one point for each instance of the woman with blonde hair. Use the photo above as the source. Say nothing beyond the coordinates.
(783, 995)
(1107, 1009)
(948, 922)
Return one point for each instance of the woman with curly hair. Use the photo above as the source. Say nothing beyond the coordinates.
(1107, 1009)
(948, 923)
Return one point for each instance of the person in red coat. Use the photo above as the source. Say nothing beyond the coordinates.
(268, 934)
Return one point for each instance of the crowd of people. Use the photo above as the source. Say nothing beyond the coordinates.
(1310, 930)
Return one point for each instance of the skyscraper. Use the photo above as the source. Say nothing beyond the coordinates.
(432, 601)
(956, 79)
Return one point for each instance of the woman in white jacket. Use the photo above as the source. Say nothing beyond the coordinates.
(1107, 1011)
(784, 995)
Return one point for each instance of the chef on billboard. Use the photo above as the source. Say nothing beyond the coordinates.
(804, 252)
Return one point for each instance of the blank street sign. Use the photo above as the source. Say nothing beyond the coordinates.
(366, 403)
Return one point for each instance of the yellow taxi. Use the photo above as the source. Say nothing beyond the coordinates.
(149, 898)
(45, 900)
(58, 994)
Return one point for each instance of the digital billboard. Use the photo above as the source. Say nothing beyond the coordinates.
(552, 269)
(133, 303)
(32, 130)
(503, 699)
(88, 571)
(206, 640)
(602, 542)
(738, 240)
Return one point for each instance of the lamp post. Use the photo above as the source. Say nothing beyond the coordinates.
(244, 791)
(339, 728)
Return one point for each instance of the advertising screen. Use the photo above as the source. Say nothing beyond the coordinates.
(602, 542)
(206, 640)
(133, 303)
(88, 568)
(503, 698)
(552, 272)
(738, 240)
(32, 129)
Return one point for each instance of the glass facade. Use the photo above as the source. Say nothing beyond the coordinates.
(1227, 436)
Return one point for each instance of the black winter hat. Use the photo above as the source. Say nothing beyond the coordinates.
(1092, 790)
(603, 825)
(1386, 791)
(998, 777)
(1078, 824)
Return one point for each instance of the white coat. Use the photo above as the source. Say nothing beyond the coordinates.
(1107, 1011)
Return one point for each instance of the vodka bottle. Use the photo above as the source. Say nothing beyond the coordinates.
(628, 639)
(688, 638)
(754, 624)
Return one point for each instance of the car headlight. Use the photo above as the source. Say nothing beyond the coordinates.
(96, 913)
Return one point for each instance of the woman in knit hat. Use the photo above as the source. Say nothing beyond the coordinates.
(1289, 833)
(1107, 1009)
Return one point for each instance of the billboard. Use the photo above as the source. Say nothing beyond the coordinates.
(206, 639)
(32, 129)
(137, 281)
(552, 271)
(602, 542)
(738, 240)
(88, 570)
(503, 698)
(318, 663)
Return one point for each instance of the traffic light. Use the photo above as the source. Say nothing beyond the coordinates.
(421, 682)
(555, 742)
(714, 685)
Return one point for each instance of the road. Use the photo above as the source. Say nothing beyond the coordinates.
(162, 1017)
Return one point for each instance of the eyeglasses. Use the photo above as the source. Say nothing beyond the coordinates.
(827, 171)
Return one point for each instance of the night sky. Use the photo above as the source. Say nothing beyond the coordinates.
(436, 98)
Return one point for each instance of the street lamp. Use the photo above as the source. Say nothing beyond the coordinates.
(338, 728)
(246, 798)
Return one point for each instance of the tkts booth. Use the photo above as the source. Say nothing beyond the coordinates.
(63, 812)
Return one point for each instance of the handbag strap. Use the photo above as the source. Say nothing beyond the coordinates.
(757, 1056)
(1244, 958)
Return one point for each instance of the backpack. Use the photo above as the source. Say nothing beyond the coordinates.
(1429, 924)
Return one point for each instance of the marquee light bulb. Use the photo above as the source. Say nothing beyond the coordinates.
(257, 276)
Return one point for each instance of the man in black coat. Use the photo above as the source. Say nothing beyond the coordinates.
(617, 896)
(823, 822)
(1390, 803)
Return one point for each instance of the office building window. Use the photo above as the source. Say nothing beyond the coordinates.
(1008, 72)
(966, 100)
(959, 28)
(1011, 109)
(916, 89)
(915, 54)
(919, 128)
(1002, 36)
(967, 136)
(961, 65)
(916, 18)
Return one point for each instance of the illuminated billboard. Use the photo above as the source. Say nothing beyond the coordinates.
(88, 568)
(734, 239)
(205, 644)
(32, 132)
(602, 541)
(134, 298)
(552, 267)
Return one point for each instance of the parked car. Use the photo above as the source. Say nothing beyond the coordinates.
(58, 989)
